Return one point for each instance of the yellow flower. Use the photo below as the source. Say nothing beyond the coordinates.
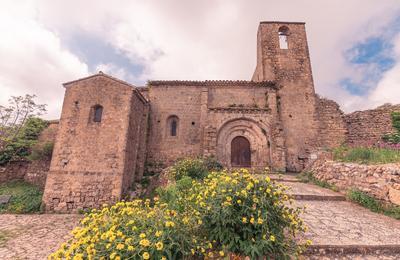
(163, 258)
(200, 222)
(120, 246)
(131, 248)
(260, 221)
(158, 233)
(272, 238)
(252, 220)
(78, 257)
(239, 201)
(268, 191)
(146, 255)
(221, 253)
(113, 255)
(144, 242)
(142, 235)
(228, 198)
(193, 251)
(169, 224)
(267, 179)
(159, 246)
(244, 220)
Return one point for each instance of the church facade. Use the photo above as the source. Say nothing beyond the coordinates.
(109, 129)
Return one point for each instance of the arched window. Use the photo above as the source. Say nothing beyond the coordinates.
(172, 125)
(97, 113)
(283, 37)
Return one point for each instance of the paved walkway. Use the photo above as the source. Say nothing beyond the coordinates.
(344, 230)
(33, 236)
(338, 229)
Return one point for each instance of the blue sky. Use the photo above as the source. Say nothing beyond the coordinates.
(374, 56)
(354, 44)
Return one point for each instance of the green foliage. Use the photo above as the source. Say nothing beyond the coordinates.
(193, 168)
(19, 146)
(309, 177)
(374, 205)
(212, 164)
(41, 151)
(25, 198)
(366, 155)
(394, 138)
(193, 219)
(396, 120)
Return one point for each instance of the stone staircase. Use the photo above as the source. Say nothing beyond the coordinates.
(340, 229)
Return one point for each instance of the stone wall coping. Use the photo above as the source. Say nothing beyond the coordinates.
(214, 83)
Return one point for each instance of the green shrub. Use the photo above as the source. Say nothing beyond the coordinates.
(224, 213)
(212, 164)
(193, 168)
(41, 151)
(19, 147)
(366, 155)
(25, 198)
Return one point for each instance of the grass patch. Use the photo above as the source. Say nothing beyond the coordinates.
(366, 155)
(373, 204)
(25, 197)
(309, 177)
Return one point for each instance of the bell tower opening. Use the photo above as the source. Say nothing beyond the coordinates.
(240, 152)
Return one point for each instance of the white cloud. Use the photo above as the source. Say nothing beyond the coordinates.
(32, 60)
(211, 39)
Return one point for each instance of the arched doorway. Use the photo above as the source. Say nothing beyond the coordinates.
(240, 152)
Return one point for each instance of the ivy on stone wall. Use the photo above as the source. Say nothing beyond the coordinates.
(394, 138)
(396, 120)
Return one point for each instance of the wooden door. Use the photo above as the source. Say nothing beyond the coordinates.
(240, 152)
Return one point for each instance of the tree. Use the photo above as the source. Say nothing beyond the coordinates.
(19, 126)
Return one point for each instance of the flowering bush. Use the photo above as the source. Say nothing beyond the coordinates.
(243, 214)
(225, 213)
(195, 168)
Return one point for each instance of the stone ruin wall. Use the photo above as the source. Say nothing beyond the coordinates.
(380, 181)
(367, 127)
(332, 129)
(34, 172)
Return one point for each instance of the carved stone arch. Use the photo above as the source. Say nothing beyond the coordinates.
(254, 132)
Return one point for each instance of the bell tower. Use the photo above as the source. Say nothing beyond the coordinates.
(283, 57)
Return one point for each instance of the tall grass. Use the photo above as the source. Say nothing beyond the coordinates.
(366, 155)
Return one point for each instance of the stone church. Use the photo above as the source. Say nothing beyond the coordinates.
(109, 128)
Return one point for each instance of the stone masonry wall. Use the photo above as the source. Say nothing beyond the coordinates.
(367, 127)
(379, 181)
(89, 167)
(332, 127)
(291, 69)
(34, 172)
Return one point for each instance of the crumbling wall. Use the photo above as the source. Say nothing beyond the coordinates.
(332, 126)
(367, 127)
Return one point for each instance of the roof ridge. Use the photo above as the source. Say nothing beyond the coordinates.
(210, 82)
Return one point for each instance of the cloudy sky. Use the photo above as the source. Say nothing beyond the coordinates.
(354, 44)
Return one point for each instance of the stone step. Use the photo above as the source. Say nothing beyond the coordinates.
(344, 230)
(306, 191)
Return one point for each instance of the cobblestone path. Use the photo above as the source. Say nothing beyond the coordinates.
(338, 229)
(33, 236)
